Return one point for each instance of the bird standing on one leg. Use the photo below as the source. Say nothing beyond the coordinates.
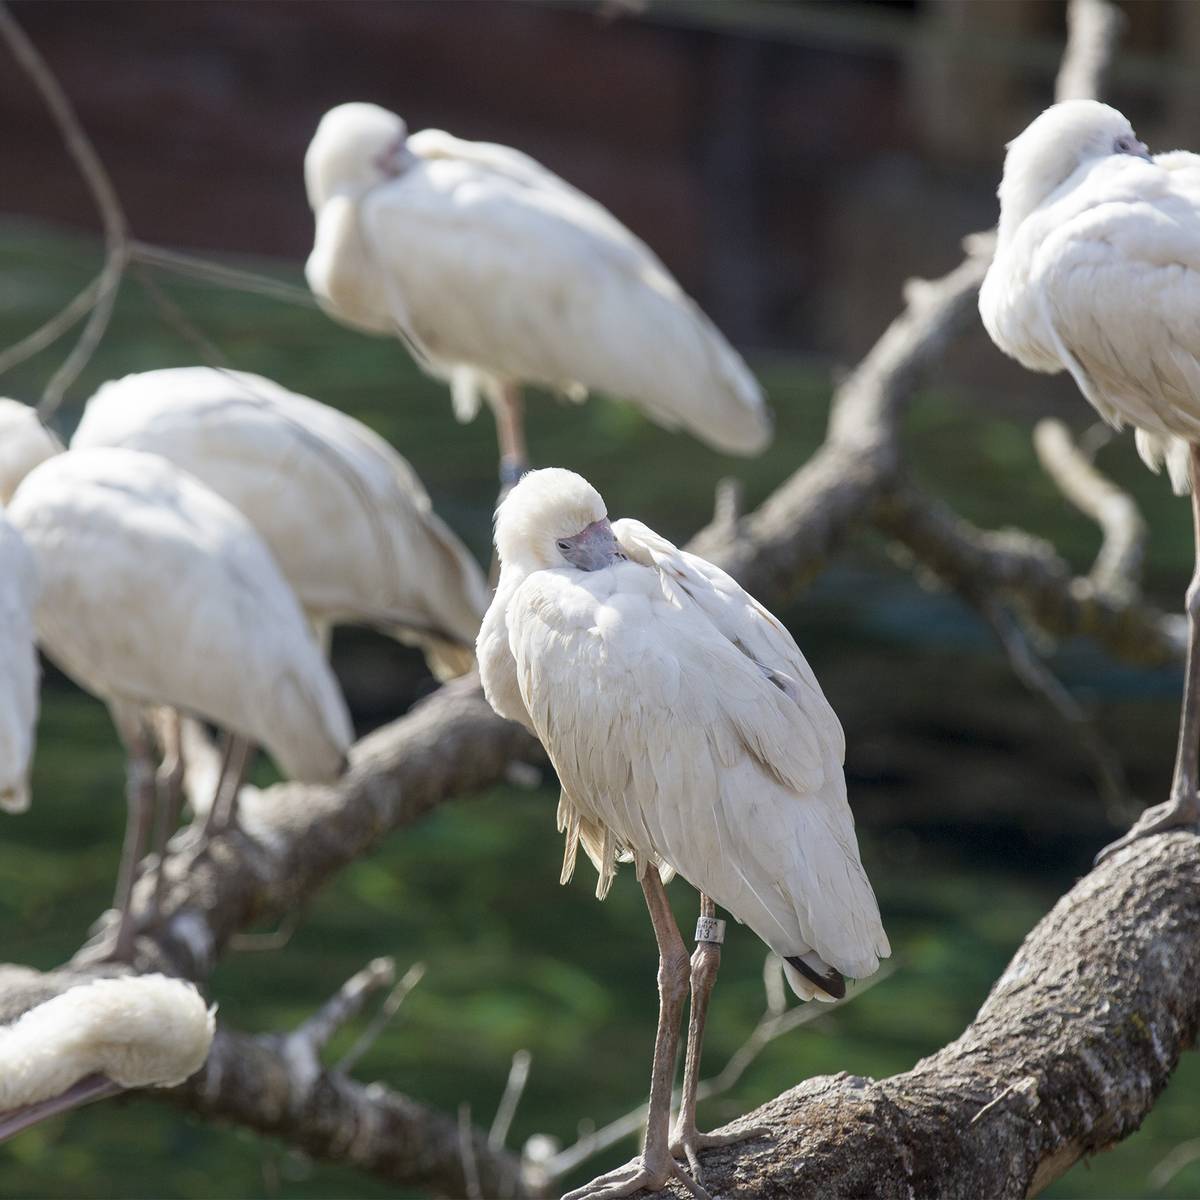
(155, 591)
(689, 734)
(1097, 272)
(497, 273)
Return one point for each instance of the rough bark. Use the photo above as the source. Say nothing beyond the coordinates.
(1065, 1058)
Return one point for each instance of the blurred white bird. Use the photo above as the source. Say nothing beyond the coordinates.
(98, 1039)
(24, 442)
(496, 273)
(689, 734)
(18, 667)
(1097, 272)
(155, 591)
(345, 516)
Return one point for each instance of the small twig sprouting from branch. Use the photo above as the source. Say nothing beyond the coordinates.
(1118, 566)
(220, 274)
(518, 1077)
(346, 1003)
(381, 1020)
(727, 504)
(1038, 678)
(466, 1149)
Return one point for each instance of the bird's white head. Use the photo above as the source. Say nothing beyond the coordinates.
(24, 442)
(1053, 147)
(356, 147)
(555, 518)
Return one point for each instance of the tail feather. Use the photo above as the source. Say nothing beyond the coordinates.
(817, 978)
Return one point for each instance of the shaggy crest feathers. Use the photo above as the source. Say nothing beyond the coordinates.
(341, 156)
(1050, 149)
(140, 1031)
(24, 442)
(543, 506)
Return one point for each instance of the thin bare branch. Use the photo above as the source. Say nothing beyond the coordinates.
(346, 1003)
(384, 1017)
(514, 1089)
(1118, 567)
(220, 274)
(467, 1153)
(45, 335)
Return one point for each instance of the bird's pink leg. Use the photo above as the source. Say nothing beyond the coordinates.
(1183, 807)
(510, 429)
(656, 1165)
(686, 1139)
(169, 785)
(139, 796)
(235, 760)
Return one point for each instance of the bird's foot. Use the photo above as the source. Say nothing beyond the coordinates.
(1181, 812)
(687, 1143)
(648, 1173)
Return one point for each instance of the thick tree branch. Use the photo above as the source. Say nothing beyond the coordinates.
(1066, 1057)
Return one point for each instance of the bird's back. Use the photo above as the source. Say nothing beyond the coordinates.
(18, 667)
(492, 262)
(692, 752)
(1103, 280)
(154, 590)
(345, 515)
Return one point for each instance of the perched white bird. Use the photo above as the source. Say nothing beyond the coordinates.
(18, 667)
(345, 516)
(1097, 272)
(688, 733)
(24, 442)
(155, 591)
(497, 273)
(98, 1039)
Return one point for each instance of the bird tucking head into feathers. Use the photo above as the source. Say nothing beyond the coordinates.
(356, 147)
(1053, 147)
(555, 518)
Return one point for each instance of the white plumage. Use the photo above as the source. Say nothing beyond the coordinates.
(498, 273)
(24, 442)
(1097, 272)
(133, 1032)
(685, 725)
(18, 667)
(155, 591)
(346, 517)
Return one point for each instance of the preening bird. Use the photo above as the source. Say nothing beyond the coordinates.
(689, 734)
(155, 591)
(18, 668)
(98, 1039)
(1097, 272)
(497, 273)
(345, 516)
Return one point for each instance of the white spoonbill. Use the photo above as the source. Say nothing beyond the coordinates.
(1097, 272)
(98, 1039)
(24, 442)
(345, 516)
(496, 273)
(18, 667)
(155, 591)
(690, 734)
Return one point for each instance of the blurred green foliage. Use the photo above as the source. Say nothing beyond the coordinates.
(513, 960)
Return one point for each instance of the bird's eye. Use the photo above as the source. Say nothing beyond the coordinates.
(563, 545)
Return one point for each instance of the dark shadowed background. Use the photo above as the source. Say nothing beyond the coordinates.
(793, 163)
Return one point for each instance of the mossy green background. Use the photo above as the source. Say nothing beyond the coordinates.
(513, 961)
